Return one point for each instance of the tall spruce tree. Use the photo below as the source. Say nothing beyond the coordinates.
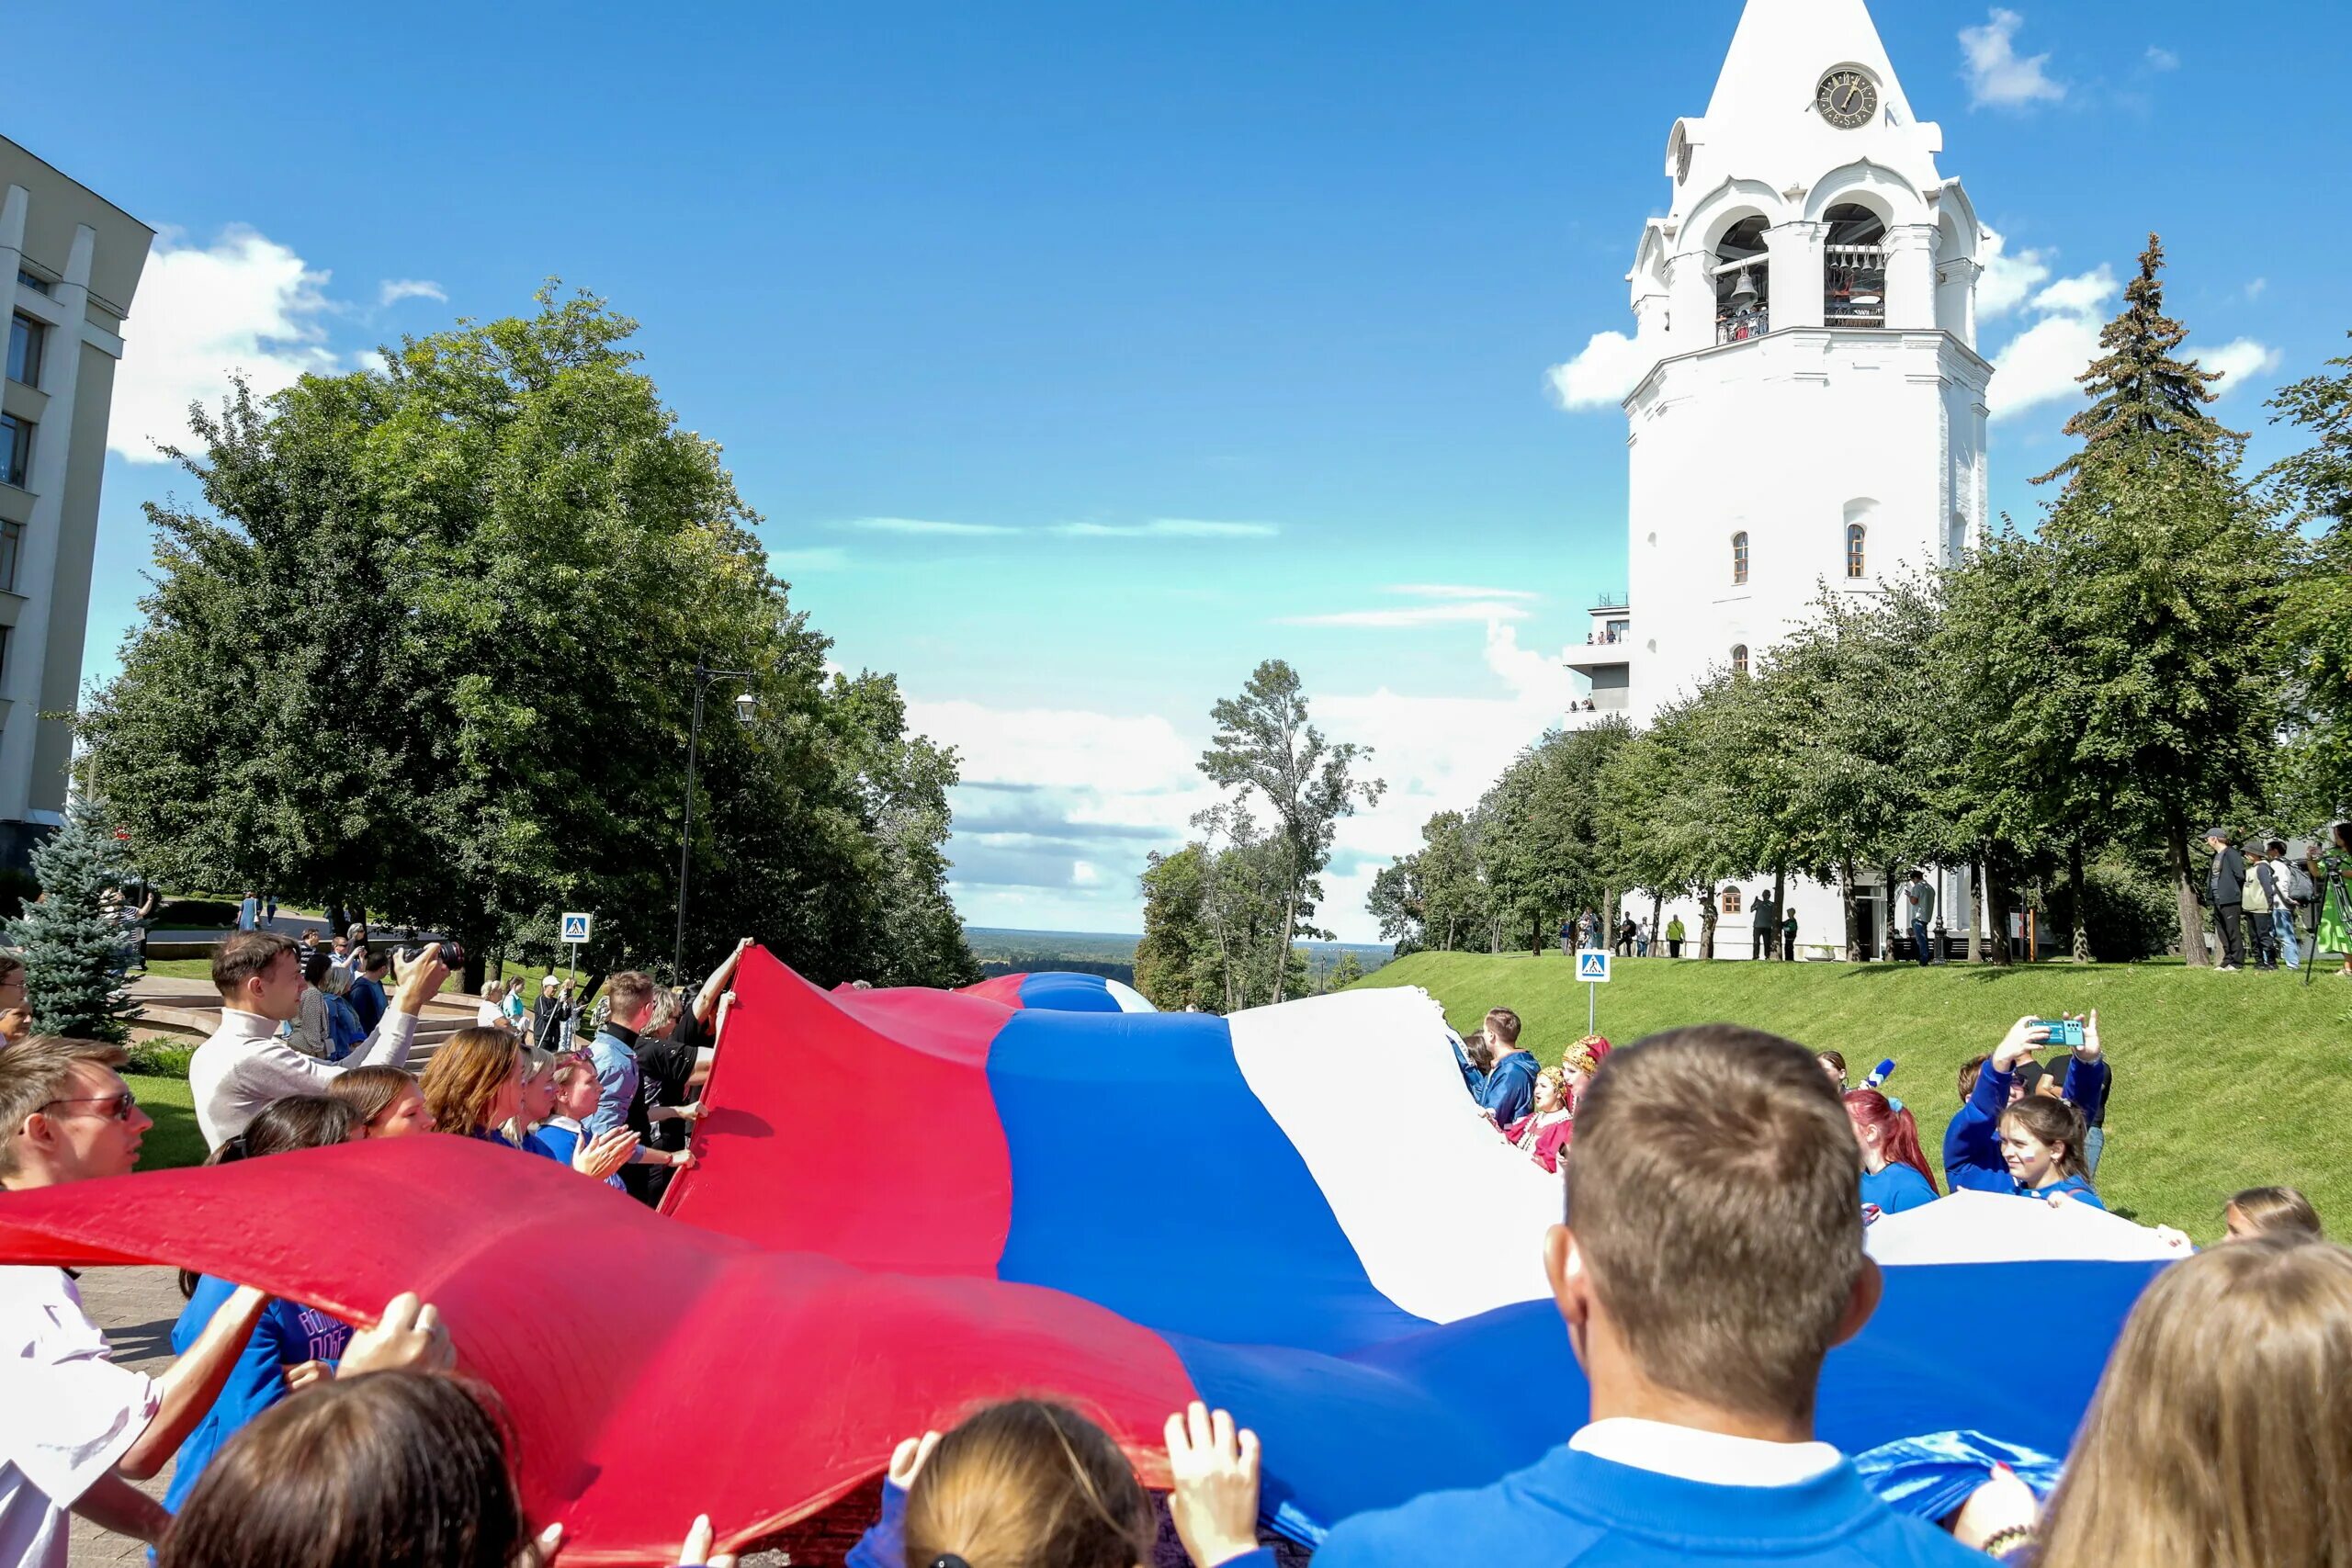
(2139, 390)
(78, 945)
(2172, 575)
(2314, 632)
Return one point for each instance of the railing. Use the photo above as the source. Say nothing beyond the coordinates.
(1614, 601)
(1739, 328)
(1855, 292)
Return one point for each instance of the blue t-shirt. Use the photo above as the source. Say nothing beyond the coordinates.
(288, 1334)
(1510, 1091)
(2073, 1187)
(559, 1140)
(1896, 1189)
(1575, 1507)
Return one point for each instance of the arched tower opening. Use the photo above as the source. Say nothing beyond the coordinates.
(1743, 282)
(1854, 267)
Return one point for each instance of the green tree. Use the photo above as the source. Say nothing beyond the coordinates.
(1345, 973)
(1668, 797)
(2314, 628)
(428, 645)
(1435, 897)
(1175, 961)
(1539, 831)
(2171, 575)
(1266, 744)
(77, 940)
(2142, 393)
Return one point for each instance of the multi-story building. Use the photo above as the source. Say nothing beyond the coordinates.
(72, 261)
(1812, 419)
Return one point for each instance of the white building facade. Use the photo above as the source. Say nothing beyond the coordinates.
(69, 261)
(1813, 414)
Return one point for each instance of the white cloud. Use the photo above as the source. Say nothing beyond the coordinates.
(1996, 75)
(2255, 290)
(1397, 616)
(2041, 363)
(2009, 279)
(1610, 367)
(2086, 294)
(923, 526)
(2240, 361)
(1168, 528)
(371, 360)
(395, 289)
(1046, 791)
(2162, 58)
(242, 303)
(1457, 591)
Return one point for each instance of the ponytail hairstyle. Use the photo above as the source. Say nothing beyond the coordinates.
(297, 1121)
(1029, 1484)
(2055, 1122)
(1898, 1131)
(2277, 1211)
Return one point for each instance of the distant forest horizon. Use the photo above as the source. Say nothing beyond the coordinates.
(1003, 950)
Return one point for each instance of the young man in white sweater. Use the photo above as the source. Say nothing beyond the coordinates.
(244, 1065)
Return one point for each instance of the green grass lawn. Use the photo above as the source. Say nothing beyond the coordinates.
(200, 969)
(2221, 1081)
(174, 1141)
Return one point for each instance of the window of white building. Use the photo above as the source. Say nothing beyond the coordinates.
(1743, 284)
(1857, 550)
(25, 339)
(12, 550)
(1738, 561)
(1739, 659)
(16, 449)
(1854, 268)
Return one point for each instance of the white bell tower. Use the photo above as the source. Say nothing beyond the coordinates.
(1814, 413)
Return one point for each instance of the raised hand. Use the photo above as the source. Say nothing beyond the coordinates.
(410, 1335)
(606, 1153)
(907, 1460)
(1215, 1500)
(2024, 1038)
(2088, 1050)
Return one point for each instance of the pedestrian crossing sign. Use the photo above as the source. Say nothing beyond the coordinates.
(575, 927)
(1592, 965)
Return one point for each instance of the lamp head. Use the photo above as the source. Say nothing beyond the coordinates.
(744, 706)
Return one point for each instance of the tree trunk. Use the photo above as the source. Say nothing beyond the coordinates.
(1853, 907)
(1657, 925)
(2193, 907)
(1996, 910)
(1779, 910)
(1975, 911)
(1282, 945)
(1536, 935)
(2078, 889)
(1707, 908)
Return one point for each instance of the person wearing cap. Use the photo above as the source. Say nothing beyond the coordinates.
(2227, 887)
(550, 1014)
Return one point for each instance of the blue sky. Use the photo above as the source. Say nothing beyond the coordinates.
(1081, 356)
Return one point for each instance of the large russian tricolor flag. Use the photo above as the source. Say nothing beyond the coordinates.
(910, 1202)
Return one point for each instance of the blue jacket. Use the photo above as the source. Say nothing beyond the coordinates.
(1509, 1093)
(1972, 1142)
(2086, 1087)
(2073, 1187)
(1896, 1189)
(616, 1062)
(1575, 1507)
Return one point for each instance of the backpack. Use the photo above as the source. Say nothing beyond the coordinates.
(2256, 898)
(2298, 884)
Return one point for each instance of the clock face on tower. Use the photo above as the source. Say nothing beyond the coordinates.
(1848, 99)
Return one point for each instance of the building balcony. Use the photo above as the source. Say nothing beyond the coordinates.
(1617, 654)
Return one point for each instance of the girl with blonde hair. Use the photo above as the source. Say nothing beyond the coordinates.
(2221, 1435)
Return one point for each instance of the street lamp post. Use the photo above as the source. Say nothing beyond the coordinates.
(744, 704)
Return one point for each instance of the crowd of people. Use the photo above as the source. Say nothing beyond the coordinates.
(1710, 1254)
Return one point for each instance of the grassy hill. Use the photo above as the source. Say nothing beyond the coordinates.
(2221, 1081)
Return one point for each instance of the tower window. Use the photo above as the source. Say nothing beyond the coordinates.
(1739, 560)
(1739, 659)
(1854, 267)
(1731, 901)
(1857, 553)
(1743, 283)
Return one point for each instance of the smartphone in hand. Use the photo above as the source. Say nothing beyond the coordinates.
(2066, 1033)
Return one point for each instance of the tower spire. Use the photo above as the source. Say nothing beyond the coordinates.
(1779, 51)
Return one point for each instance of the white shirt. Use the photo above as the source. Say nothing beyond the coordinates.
(244, 1065)
(70, 1415)
(1714, 1458)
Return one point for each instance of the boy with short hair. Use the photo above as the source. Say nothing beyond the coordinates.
(1712, 1255)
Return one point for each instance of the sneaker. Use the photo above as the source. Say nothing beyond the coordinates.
(2227, 968)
